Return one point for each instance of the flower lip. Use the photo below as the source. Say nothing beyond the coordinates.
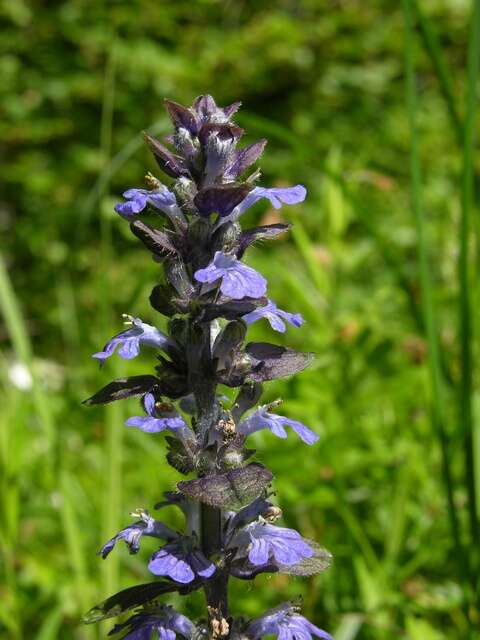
(237, 280)
(276, 195)
(263, 419)
(146, 526)
(263, 543)
(181, 562)
(162, 619)
(275, 317)
(286, 623)
(129, 341)
(155, 422)
(138, 199)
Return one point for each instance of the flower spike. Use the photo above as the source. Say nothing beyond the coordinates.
(209, 296)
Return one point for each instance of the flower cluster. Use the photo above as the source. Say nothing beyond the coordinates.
(210, 297)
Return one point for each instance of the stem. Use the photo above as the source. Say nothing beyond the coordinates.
(215, 588)
(211, 539)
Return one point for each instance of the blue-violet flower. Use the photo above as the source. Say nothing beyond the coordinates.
(180, 562)
(276, 195)
(146, 526)
(129, 341)
(262, 419)
(138, 199)
(237, 279)
(165, 622)
(275, 317)
(263, 542)
(153, 424)
(285, 623)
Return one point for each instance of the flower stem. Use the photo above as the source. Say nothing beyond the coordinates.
(215, 588)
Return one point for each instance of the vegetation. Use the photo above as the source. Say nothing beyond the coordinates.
(373, 107)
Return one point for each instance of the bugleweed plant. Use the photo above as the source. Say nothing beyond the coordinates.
(210, 297)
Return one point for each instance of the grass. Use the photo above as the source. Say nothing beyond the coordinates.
(430, 314)
(466, 285)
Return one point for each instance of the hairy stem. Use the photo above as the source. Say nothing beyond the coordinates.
(204, 386)
(216, 587)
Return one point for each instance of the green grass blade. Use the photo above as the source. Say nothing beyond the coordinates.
(434, 50)
(437, 410)
(113, 452)
(349, 626)
(20, 340)
(73, 537)
(464, 278)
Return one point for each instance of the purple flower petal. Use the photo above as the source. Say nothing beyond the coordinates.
(276, 195)
(237, 279)
(129, 348)
(262, 419)
(285, 623)
(201, 565)
(163, 623)
(259, 552)
(269, 542)
(138, 199)
(147, 526)
(164, 563)
(149, 403)
(129, 341)
(136, 202)
(155, 425)
(275, 317)
(179, 564)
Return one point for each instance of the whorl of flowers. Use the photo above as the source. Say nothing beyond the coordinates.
(210, 297)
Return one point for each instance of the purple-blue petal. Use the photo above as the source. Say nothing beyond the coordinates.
(259, 552)
(149, 403)
(275, 317)
(304, 433)
(136, 202)
(286, 546)
(262, 419)
(129, 341)
(295, 319)
(237, 279)
(130, 348)
(162, 199)
(286, 624)
(201, 565)
(138, 199)
(242, 282)
(276, 195)
(164, 563)
(149, 424)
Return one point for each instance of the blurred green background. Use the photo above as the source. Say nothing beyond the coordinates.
(381, 263)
